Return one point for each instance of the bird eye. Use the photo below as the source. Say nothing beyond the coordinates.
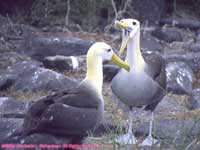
(134, 23)
(108, 50)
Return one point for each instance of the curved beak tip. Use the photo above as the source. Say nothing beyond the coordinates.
(118, 61)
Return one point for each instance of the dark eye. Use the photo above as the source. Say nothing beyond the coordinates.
(134, 23)
(108, 50)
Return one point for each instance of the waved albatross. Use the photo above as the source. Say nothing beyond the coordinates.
(145, 84)
(73, 112)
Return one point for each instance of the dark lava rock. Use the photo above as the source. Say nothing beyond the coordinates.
(173, 130)
(181, 23)
(170, 105)
(11, 108)
(41, 45)
(62, 63)
(30, 76)
(168, 34)
(10, 58)
(195, 47)
(192, 59)
(6, 81)
(149, 42)
(109, 71)
(195, 99)
(39, 138)
(8, 126)
(198, 35)
(173, 122)
(179, 78)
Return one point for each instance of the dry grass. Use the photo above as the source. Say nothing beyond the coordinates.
(22, 95)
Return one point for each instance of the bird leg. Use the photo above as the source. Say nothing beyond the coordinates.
(149, 141)
(128, 138)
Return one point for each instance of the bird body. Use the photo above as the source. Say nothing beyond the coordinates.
(75, 111)
(145, 84)
(70, 112)
(133, 93)
(146, 80)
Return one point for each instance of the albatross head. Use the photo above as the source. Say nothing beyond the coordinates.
(129, 29)
(103, 51)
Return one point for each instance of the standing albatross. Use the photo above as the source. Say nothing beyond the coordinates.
(73, 112)
(144, 86)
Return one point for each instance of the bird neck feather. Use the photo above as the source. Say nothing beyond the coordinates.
(134, 56)
(94, 73)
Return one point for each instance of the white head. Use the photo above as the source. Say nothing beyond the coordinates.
(130, 28)
(102, 50)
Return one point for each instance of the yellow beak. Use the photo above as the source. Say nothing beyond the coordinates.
(120, 24)
(125, 41)
(118, 61)
(124, 44)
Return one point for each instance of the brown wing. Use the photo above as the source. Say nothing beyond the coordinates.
(63, 112)
(156, 69)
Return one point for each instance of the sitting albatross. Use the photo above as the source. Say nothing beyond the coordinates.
(145, 84)
(73, 112)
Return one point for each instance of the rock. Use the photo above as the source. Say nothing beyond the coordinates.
(173, 130)
(169, 105)
(39, 138)
(173, 122)
(30, 76)
(8, 127)
(9, 58)
(179, 78)
(65, 63)
(181, 23)
(41, 45)
(6, 81)
(109, 71)
(11, 108)
(167, 34)
(25, 30)
(192, 59)
(195, 99)
(195, 47)
(198, 35)
(150, 43)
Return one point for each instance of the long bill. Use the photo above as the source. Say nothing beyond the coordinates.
(124, 44)
(125, 39)
(118, 61)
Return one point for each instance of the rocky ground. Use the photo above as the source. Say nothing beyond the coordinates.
(35, 62)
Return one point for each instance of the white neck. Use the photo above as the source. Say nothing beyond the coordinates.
(134, 56)
(94, 72)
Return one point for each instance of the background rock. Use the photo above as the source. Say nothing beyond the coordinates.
(109, 71)
(181, 23)
(192, 59)
(6, 81)
(65, 63)
(195, 99)
(41, 45)
(168, 34)
(8, 126)
(31, 77)
(10, 107)
(195, 47)
(149, 42)
(179, 78)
